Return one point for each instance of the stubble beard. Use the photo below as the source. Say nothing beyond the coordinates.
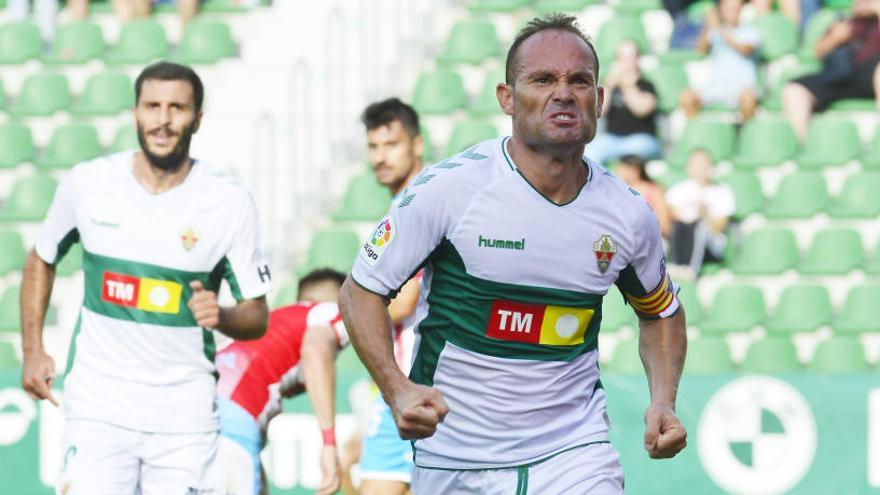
(176, 158)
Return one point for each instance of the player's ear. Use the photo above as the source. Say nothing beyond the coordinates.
(504, 93)
(197, 122)
(600, 101)
(418, 146)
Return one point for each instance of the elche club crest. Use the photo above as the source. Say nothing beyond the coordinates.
(605, 251)
(189, 238)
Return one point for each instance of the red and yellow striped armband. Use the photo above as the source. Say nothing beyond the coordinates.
(661, 302)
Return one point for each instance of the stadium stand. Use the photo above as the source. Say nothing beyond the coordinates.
(858, 313)
(12, 252)
(801, 308)
(839, 354)
(707, 355)
(771, 355)
(42, 94)
(29, 200)
(70, 144)
(19, 42)
(76, 43)
(16, 145)
(736, 308)
(141, 41)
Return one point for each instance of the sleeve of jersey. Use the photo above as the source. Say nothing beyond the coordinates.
(644, 282)
(247, 270)
(327, 314)
(58, 232)
(402, 241)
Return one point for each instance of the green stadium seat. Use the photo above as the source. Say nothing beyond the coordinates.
(839, 4)
(12, 252)
(439, 92)
(858, 198)
(16, 145)
(428, 153)
(10, 311)
(636, 7)
(765, 142)
(746, 188)
(779, 35)
(333, 248)
(735, 308)
(2, 95)
(815, 28)
(471, 42)
(766, 252)
(42, 94)
(286, 295)
(800, 195)
(486, 103)
(690, 299)
(834, 252)
(29, 199)
(141, 41)
(106, 93)
(670, 178)
(859, 312)
(76, 43)
(497, 5)
(771, 355)
(716, 137)
(616, 314)
(669, 81)
(71, 144)
(708, 355)
(8, 357)
(571, 6)
(773, 101)
(365, 199)
(125, 138)
(801, 308)
(853, 105)
(678, 57)
(224, 6)
(616, 30)
(19, 42)
(871, 159)
(830, 142)
(205, 42)
(839, 354)
(72, 261)
(872, 267)
(468, 133)
(626, 359)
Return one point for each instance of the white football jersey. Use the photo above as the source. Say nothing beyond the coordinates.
(511, 301)
(138, 359)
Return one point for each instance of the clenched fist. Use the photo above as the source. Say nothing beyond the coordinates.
(203, 305)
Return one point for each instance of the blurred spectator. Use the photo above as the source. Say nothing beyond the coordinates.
(734, 72)
(799, 11)
(44, 13)
(850, 52)
(701, 211)
(630, 106)
(632, 170)
(127, 10)
(687, 23)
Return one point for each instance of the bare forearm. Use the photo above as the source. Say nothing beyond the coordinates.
(641, 103)
(404, 305)
(369, 327)
(743, 49)
(718, 224)
(320, 378)
(36, 289)
(246, 320)
(663, 346)
(826, 45)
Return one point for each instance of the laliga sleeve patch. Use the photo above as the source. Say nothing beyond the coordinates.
(378, 242)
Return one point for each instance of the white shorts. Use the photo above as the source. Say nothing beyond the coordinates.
(103, 459)
(593, 469)
(239, 476)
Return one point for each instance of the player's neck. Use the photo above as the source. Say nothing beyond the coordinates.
(559, 177)
(157, 180)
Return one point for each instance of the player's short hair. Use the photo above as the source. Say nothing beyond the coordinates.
(168, 71)
(559, 21)
(382, 113)
(320, 275)
(639, 163)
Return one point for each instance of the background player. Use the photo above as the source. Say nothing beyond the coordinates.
(159, 232)
(296, 353)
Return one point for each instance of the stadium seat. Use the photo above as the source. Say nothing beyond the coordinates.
(716, 137)
(771, 355)
(497, 5)
(106, 93)
(286, 295)
(858, 199)
(815, 28)
(29, 199)
(468, 133)
(471, 42)
(364, 200)
(636, 7)
(679, 57)
(205, 42)
(779, 35)
(42, 94)
(735, 308)
(871, 159)
(707, 355)
(16, 145)
(429, 152)
(76, 43)
(124, 139)
(10, 310)
(616, 30)
(839, 354)
(830, 142)
(801, 308)
(689, 298)
(2, 95)
(224, 6)
(853, 105)
(19, 42)
(12, 252)
(838, 4)
(746, 188)
(486, 103)
(333, 248)
(800, 195)
(626, 359)
(8, 357)
(571, 6)
(859, 312)
(669, 81)
(834, 252)
(439, 92)
(766, 252)
(71, 262)
(616, 314)
(71, 144)
(764, 142)
(872, 267)
(141, 41)
(773, 101)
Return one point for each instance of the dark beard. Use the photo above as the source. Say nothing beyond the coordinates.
(174, 159)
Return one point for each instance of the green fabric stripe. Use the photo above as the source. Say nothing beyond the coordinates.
(95, 265)
(64, 246)
(225, 272)
(525, 486)
(72, 352)
(519, 480)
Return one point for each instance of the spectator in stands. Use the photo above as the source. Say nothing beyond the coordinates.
(799, 11)
(629, 110)
(701, 211)
(850, 52)
(44, 13)
(633, 171)
(127, 10)
(687, 23)
(734, 72)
